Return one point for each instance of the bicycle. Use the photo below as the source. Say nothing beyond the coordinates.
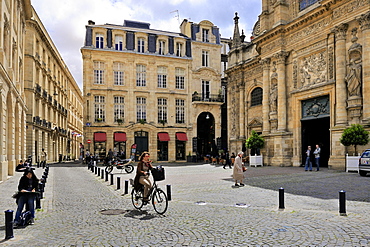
(156, 195)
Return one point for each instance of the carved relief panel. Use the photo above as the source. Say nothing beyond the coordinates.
(312, 69)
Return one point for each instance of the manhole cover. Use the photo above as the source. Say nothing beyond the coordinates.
(201, 203)
(112, 211)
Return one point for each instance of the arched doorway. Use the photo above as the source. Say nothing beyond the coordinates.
(142, 142)
(206, 135)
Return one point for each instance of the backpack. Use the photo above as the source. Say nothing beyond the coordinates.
(24, 218)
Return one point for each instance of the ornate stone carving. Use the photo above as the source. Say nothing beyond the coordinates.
(315, 107)
(354, 67)
(281, 57)
(340, 31)
(331, 63)
(348, 8)
(295, 73)
(265, 63)
(364, 21)
(313, 69)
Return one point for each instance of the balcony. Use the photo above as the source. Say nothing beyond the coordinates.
(208, 98)
(38, 89)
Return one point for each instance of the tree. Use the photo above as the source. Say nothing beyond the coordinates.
(355, 135)
(254, 142)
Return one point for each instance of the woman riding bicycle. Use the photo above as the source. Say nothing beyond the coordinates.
(142, 174)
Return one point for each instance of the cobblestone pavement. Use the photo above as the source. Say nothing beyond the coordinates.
(205, 210)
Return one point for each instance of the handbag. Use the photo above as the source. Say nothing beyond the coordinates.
(244, 168)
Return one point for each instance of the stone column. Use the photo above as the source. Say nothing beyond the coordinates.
(266, 94)
(241, 111)
(281, 104)
(340, 73)
(364, 21)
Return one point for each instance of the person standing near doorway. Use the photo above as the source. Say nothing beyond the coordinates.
(317, 156)
(309, 155)
(43, 158)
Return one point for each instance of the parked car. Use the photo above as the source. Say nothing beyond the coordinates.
(364, 163)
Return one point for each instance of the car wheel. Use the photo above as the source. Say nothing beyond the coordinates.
(362, 173)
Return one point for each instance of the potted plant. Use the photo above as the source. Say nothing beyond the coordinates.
(119, 121)
(99, 119)
(142, 121)
(255, 143)
(189, 157)
(353, 136)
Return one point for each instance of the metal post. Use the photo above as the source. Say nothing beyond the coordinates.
(9, 224)
(342, 203)
(111, 179)
(281, 198)
(38, 201)
(126, 187)
(118, 183)
(44, 178)
(102, 174)
(106, 176)
(98, 172)
(169, 197)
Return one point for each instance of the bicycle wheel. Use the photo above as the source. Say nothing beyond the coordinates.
(137, 198)
(159, 201)
(109, 168)
(129, 168)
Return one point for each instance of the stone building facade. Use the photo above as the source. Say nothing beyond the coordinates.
(157, 89)
(13, 17)
(54, 100)
(305, 69)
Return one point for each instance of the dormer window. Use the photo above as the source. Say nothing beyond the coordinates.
(303, 4)
(179, 49)
(162, 45)
(205, 35)
(99, 41)
(140, 45)
(118, 42)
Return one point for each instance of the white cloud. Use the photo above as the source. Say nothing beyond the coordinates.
(65, 20)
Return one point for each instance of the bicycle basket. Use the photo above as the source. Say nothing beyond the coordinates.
(158, 173)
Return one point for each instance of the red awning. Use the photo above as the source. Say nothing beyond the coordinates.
(163, 137)
(100, 137)
(120, 137)
(180, 136)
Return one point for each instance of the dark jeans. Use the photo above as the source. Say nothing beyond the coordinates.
(29, 200)
(317, 163)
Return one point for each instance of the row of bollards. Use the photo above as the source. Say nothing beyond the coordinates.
(105, 175)
(9, 213)
(342, 201)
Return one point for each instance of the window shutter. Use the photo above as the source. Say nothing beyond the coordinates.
(130, 41)
(109, 38)
(88, 38)
(188, 48)
(152, 39)
(170, 45)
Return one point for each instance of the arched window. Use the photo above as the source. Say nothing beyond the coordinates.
(256, 96)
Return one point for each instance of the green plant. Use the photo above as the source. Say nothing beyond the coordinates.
(142, 121)
(254, 142)
(355, 135)
(119, 121)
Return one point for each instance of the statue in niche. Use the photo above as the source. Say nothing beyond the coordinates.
(353, 78)
(306, 76)
(354, 69)
(273, 98)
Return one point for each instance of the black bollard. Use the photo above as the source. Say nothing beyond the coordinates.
(281, 198)
(38, 201)
(106, 176)
(44, 178)
(118, 183)
(9, 224)
(111, 179)
(41, 190)
(169, 197)
(98, 172)
(342, 203)
(102, 174)
(38, 164)
(126, 187)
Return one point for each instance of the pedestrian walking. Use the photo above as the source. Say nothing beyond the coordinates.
(317, 156)
(227, 160)
(309, 156)
(238, 174)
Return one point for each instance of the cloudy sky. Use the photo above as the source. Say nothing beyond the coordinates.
(65, 20)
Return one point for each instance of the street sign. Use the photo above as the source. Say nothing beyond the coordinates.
(88, 141)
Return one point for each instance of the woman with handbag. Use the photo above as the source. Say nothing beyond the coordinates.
(238, 174)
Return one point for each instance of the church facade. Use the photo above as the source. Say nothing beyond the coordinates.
(301, 80)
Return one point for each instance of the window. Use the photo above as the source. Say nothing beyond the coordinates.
(179, 49)
(98, 72)
(99, 107)
(118, 73)
(140, 75)
(162, 45)
(205, 34)
(162, 110)
(180, 111)
(99, 41)
(180, 78)
(162, 76)
(140, 45)
(256, 96)
(140, 109)
(205, 58)
(305, 4)
(206, 88)
(118, 41)
(119, 105)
